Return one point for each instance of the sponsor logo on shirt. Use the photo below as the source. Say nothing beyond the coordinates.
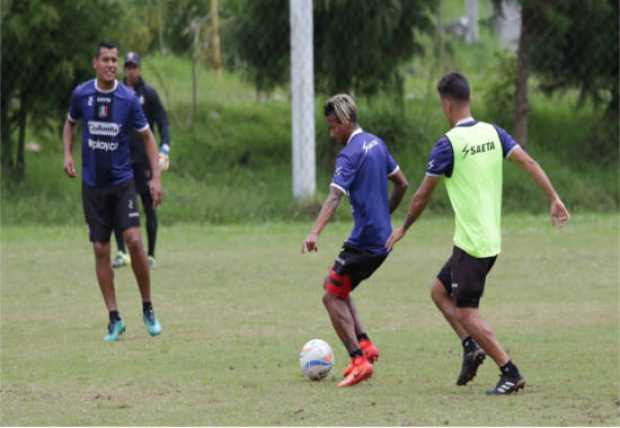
(367, 146)
(109, 129)
(338, 171)
(479, 148)
(430, 165)
(107, 146)
(104, 100)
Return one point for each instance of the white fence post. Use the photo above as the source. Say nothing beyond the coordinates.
(302, 98)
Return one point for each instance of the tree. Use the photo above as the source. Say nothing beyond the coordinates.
(574, 44)
(565, 45)
(46, 51)
(180, 17)
(358, 45)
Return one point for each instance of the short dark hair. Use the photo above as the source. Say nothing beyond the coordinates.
(454, 85)
(105, 45)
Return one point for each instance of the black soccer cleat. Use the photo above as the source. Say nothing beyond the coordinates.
(507, 385)
(471, 361)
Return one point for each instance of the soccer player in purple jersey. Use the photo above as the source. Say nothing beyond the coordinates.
(109, 111)
(363, 168)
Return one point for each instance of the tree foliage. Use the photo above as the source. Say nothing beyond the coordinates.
(46, 50)
(357, 45)
(574, 43)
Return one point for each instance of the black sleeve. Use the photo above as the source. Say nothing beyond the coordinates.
(159, 116)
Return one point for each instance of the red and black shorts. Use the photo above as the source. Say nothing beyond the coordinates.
(463, 276)
(108, 208)
(351, 267)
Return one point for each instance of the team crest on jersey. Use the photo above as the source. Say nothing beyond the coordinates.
(103, 111)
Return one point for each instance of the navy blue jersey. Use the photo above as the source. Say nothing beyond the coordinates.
(441, 159)
(108, 118)
(362, 170)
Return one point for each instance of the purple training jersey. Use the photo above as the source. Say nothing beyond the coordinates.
(108, 118)
(362, 170)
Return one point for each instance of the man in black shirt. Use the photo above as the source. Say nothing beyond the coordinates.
(155, 114)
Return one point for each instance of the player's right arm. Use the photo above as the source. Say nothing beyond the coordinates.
(559, 213)
(67, 139)
(327, 211)
(344, 175)
(68, 131)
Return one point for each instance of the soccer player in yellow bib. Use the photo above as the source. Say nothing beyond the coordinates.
(470, 156)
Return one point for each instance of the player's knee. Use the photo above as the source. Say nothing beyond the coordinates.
(102, 250)
(465, 315)
(327, 299)
(337, 285)
(437, 292)
(133, 241)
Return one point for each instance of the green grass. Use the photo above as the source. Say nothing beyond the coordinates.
(238, 301)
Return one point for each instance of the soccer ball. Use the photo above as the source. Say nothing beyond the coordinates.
(316, 359)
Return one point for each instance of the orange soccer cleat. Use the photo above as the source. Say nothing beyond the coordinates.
(361, 370)
(371, 352)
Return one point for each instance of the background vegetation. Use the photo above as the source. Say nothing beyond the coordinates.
(231, 147)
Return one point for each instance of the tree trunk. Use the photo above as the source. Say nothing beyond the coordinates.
(195, 27)
(7, 158)
(522, 105)
(20, 164)
(215, 28)
(473, 26)
(160, 11)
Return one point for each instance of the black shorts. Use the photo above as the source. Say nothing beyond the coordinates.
(351, 267)
(108, 208)
(142, 176)
(463, 276)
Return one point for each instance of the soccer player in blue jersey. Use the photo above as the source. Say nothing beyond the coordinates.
(470, 157)
(109, 111)
(363, 168)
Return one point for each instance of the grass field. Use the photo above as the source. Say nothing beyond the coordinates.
(237, 302)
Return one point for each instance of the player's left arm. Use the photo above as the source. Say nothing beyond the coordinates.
(418, 204)
(151, 151)
(559, 213)
(327, 211)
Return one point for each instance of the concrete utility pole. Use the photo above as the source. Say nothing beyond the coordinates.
(302, 98)
(473, 29)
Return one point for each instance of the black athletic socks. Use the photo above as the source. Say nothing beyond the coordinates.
(469, 344)
(356, 353)
(510, 370)
(147, 306)
(114, 316)
(362, 336)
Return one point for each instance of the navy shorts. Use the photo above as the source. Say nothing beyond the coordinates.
(463, 276)
(351, 267)
(108, 208)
